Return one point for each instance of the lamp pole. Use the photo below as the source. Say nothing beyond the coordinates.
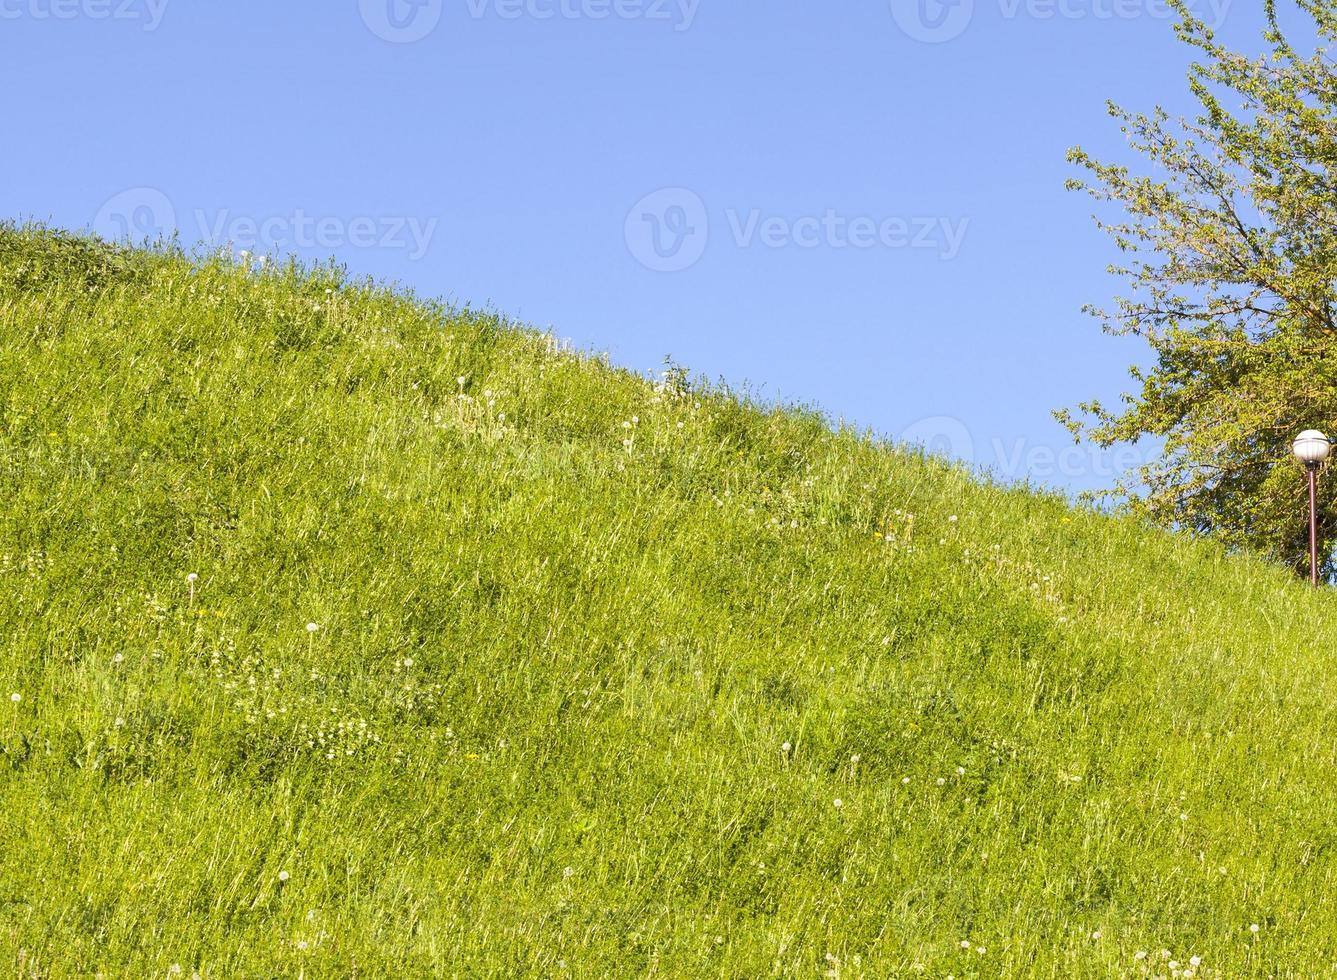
(1312, 447)
(1313, 522)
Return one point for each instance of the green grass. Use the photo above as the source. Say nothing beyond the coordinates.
(611, 678)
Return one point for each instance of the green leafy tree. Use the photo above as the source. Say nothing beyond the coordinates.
(1230, 256)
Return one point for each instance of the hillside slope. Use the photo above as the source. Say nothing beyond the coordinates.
(604, 678)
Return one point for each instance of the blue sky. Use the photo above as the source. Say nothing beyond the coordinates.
(857, 205)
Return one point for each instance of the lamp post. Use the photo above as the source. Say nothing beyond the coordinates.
(1312, 447)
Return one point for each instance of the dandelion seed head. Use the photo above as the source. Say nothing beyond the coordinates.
(284, 876)
(312, 627)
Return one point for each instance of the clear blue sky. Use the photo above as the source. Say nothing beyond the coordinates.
(852, 204)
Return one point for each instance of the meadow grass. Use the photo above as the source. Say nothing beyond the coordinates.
(606, 676)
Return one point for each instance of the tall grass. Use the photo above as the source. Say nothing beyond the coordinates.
(607, 677)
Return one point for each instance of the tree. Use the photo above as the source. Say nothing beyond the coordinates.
(1230, 261)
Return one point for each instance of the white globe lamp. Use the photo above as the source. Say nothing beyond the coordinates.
(1311, 447)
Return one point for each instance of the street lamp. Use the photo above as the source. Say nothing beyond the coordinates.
(1312, 447)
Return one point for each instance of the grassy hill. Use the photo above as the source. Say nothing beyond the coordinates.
(603, 677)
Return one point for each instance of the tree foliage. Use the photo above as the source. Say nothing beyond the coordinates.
(1230, 256)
